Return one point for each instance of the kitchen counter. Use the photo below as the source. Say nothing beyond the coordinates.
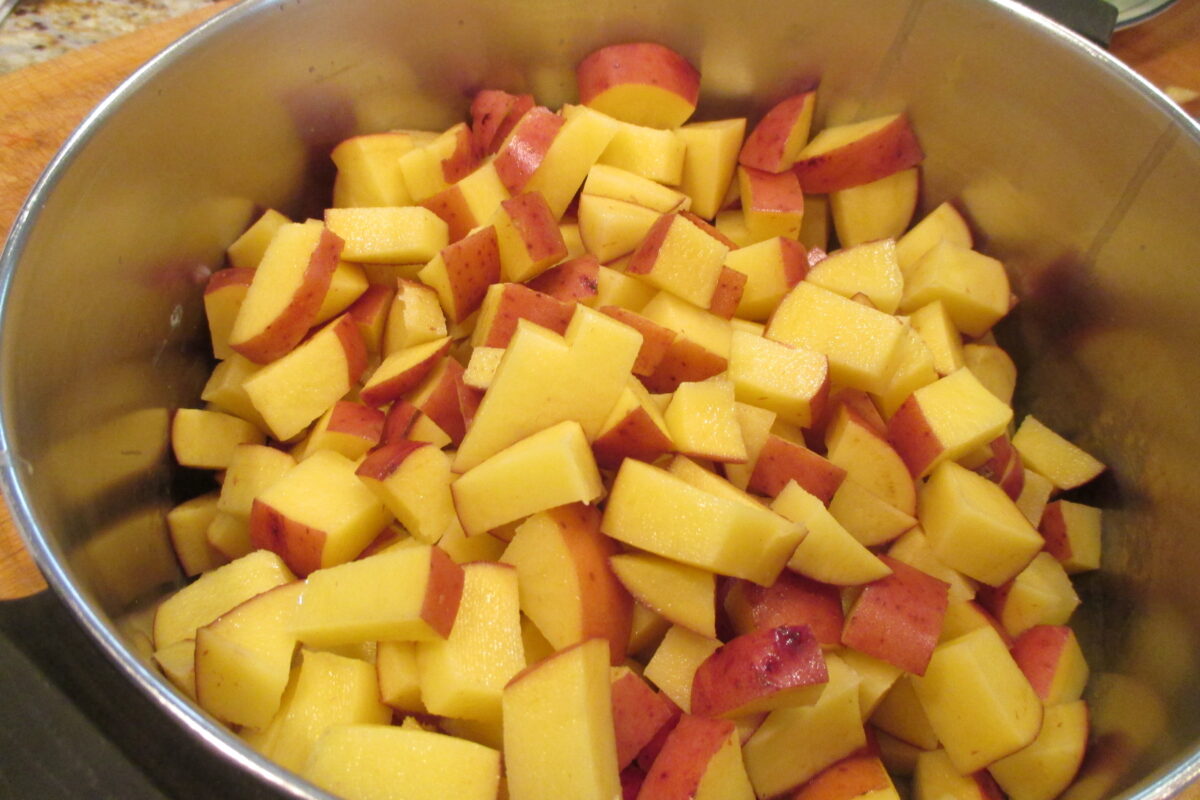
(39, 30)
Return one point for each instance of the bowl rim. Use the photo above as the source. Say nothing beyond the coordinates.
(1165, 783)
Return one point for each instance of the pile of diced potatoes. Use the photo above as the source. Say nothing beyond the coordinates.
(596, 453)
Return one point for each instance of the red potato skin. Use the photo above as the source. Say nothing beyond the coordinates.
(608, 612)
(898, 618)
(1053, 527)
(646, 253)
(656, 339)
(781, 461)
(443, 407)
(298, 545)
(522, 104)
(443, 592)
(632, 778)
(353, 345)
(522, 153)
(489, 108)
(462, 161)
(988, 788)
(518, 302)
(795, 260)
(640, 63)
(288, 329)
(1013, 479)
(646, 758)
(635, 436)
(684, 361)
(230, 276)
(404, 382)
(383, 462)
(755, 666)
(358, 420)
(398, 419)
(645, 256)
(889, 150)
(537, 225)
(572, 281)
(469, 399)
(639, 713)
(763, 148)
(450, 205)
(773, 193)
(792, 600)
(473, 264)
(1004, 468)
(851, 777)
(493, 115)
(728, 293)
(909, 433)
(993, 599)
(685, 756)
(1038, 652)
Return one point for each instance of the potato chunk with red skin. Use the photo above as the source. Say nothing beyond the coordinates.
(755, 671)
(853, 776)
(898, 618)
(493, 115)
(792, 600)
(639, 714)
(645, 83)
(507, 303)
(700, 760)
(781, 461)
(1052, 661)
(571, 281)
(526, 145)
(781, 134)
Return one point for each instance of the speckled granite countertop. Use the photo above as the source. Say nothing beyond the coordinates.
(42, 29)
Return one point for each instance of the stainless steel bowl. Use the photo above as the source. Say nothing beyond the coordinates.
(1082, 178)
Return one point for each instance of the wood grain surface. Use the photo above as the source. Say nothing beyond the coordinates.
(1166, 51)
(42, 104)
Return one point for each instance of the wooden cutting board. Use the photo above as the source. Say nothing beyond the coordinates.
(42, 104)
